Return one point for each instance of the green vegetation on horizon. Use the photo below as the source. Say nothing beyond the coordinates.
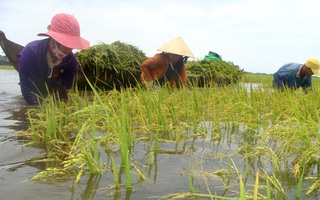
(8, 67)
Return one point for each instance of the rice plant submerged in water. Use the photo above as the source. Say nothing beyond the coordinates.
(277, 133)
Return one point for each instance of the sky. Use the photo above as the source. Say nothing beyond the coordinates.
(257, 35)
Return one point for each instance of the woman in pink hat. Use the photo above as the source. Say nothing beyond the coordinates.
(48, 65)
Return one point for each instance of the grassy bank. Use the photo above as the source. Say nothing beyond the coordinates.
(7, 67)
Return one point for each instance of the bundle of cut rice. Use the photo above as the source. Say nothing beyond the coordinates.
(110, 65)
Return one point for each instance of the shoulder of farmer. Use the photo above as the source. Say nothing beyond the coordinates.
(289, 69)
(157, 61)
(33, 55)
(35, 47)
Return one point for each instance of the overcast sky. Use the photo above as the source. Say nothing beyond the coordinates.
(257, 35)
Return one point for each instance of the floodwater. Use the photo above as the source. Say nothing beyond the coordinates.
(166, 173)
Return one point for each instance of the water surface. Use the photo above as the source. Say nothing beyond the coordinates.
(167, 172)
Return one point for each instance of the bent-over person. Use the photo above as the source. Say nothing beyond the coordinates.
(48, 65)
(168, 66)
(296, 75)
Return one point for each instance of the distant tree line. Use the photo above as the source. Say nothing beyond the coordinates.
(4, 60)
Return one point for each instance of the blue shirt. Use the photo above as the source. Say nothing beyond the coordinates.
(286, 76)
(34, 72)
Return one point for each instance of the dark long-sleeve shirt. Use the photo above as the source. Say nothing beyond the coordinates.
(287, 76)
(34, 72)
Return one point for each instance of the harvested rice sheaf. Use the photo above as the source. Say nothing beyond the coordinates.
(220, 72)
(119, 63)
(114, 56)
(109, 65)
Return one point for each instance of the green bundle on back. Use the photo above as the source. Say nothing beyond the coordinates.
(110, 65)
(117, 65)
(215, 71)
(113, 56)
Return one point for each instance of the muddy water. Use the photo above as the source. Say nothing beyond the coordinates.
(166, 173)
(13, 156)
(16, 167)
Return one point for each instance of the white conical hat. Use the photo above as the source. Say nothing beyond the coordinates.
(177, 46)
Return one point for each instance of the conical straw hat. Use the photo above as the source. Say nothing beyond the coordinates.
(177, 46)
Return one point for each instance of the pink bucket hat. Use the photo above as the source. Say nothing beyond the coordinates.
(65, 30)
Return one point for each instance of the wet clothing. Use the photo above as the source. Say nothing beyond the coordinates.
(289, 76)
(159, 68)
(37, 78)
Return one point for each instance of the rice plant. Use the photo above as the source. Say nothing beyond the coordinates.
(276, 134)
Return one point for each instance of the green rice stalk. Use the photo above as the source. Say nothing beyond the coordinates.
(156, 142)
(191, 179)
(196, 109)
(127, 170)
(268, 187)
(51, 124)
(256, 187)
(298, 191)
(115, 175)
(125, 142)
(242, 188)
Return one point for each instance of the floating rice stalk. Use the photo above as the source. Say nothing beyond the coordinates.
(50, 175)
(189, 195)
(142, 177)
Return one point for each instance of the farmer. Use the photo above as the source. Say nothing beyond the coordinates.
(48, 65)
(168, 65)
(295, 75)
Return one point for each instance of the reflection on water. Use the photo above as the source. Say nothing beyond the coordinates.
(167, 171)
(13, 156)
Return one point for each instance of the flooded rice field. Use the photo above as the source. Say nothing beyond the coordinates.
(204, 165)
